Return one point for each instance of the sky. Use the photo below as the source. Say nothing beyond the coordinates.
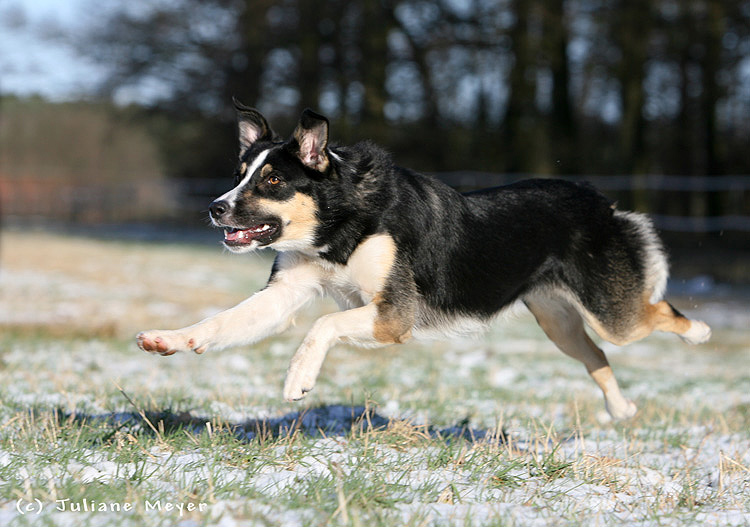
(31, 64)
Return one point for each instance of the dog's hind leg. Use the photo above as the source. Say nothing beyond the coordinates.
(564, 326)
(662, 316)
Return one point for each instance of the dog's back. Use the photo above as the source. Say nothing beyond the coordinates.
(474, 254)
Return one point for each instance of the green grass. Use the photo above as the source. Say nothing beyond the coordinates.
(498, 430)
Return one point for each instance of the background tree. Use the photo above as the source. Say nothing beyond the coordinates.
(527, 86)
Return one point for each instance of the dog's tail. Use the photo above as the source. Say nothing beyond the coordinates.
(653, 258)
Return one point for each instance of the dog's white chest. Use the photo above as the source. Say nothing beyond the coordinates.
(366, 272)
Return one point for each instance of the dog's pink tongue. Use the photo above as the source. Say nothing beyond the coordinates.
(234, 236)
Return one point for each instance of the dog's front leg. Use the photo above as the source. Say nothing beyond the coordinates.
(267, 312)
(371, 325)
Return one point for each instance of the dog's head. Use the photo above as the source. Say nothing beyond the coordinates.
(272, 203)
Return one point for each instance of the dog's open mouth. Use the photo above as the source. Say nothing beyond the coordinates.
(262, 232)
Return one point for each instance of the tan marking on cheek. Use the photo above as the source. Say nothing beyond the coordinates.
(299, 215)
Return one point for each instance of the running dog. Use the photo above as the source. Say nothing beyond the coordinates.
(405, 256)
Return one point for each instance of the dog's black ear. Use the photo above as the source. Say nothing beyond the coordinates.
(311, 135)
(252, 126)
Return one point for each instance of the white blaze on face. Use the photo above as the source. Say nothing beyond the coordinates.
(231, 196)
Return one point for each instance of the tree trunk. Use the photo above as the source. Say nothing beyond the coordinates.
(375, 24)
(520, 111)
(245, 72)
(632, 35)
(563, 136)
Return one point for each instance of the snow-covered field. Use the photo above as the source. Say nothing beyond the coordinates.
(498, 430)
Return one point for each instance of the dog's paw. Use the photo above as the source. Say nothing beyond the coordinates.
(298, 383)
(166, 343)
(623, 411)
(698, 333)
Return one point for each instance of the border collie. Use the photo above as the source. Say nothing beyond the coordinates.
(405, 256)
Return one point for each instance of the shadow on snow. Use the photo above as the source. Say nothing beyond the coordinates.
(328, 420)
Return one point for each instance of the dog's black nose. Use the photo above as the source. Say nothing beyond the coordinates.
(218, 208)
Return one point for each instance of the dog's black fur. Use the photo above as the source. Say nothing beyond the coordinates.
(472, 254)
(445, 257)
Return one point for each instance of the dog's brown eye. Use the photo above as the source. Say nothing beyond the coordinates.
(274, 180)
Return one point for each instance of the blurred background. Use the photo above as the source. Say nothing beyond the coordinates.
(118, 115)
